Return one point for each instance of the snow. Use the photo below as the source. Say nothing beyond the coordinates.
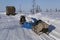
(10, 29)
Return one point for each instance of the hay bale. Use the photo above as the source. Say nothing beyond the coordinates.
(10, 10)
(40, 26)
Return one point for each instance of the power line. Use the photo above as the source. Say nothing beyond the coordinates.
(34, 6)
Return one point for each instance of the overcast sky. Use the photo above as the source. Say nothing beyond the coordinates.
(27, 4)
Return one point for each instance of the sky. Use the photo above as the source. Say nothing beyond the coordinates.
(27, 4)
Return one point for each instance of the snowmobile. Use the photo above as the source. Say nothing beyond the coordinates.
(38, 26)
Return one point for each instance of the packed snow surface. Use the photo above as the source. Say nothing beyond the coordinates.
(10, 29)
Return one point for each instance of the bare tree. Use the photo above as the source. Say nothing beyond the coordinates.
(56, 10)
(50, 10)
(59, 10)
(38, 9)
(47, 10)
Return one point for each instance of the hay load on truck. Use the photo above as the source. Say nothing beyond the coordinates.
(40, 27)
(10, 10)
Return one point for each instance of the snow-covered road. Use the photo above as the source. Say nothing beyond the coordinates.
(10, 29)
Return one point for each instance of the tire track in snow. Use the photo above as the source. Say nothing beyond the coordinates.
(26, 34)
(20, 33)
(6, 35)
(35, 36)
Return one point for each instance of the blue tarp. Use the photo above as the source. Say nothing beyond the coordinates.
(34, 19)
(28, 24)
